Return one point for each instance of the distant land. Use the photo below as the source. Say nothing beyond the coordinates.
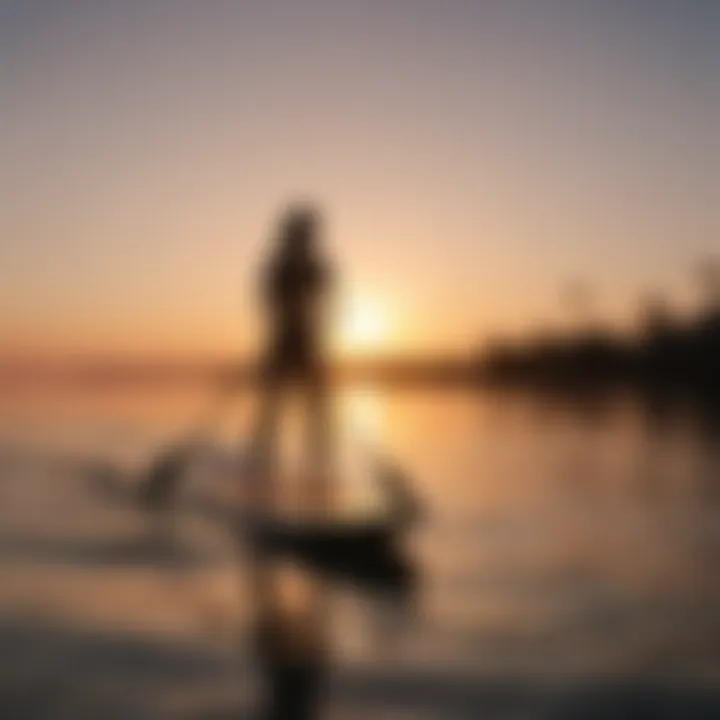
(667, 353)
(88, 371)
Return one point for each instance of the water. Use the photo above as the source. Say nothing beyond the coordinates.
(566, 564)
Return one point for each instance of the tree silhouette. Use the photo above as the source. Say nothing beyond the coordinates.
(708, 276)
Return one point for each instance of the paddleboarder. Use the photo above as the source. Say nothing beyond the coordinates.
(295, 288)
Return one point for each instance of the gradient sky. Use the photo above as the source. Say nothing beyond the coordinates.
(472, 157)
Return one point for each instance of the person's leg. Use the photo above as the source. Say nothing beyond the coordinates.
(263, 442)
(319, 422)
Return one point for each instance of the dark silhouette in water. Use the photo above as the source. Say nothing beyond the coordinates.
(295, 288)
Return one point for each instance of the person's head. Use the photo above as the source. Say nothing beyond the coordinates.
(299, 230)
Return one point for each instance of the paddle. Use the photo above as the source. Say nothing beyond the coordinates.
(160, 481)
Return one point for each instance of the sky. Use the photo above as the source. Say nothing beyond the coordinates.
(472, 158)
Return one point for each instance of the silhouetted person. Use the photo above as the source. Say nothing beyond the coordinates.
(295, 287)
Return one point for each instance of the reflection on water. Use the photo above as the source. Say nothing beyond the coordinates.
(291, 640)
(292, 628)
(567, 568)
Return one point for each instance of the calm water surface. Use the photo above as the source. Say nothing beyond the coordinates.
(567, 564)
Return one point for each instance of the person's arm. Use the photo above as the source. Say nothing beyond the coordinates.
(327, 296)
(267, 289)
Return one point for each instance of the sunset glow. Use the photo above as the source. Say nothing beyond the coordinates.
(470, 159)
(366, 328)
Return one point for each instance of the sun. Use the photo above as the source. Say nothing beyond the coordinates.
(365, 327)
